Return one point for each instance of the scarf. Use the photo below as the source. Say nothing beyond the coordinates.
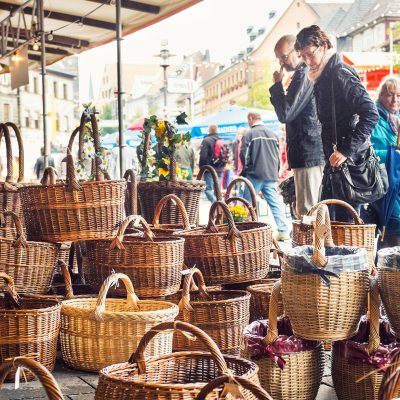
(393, 119)
(314, 75)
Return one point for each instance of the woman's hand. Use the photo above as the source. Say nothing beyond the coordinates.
(337, 159)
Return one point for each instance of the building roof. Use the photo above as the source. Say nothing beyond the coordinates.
(382, 8)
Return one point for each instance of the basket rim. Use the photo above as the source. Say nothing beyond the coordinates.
(64, 184)
(170, 239)
(51, 308)
(337, 224)
(192, 182)
(201, 231)
(32, 243)
(240, 295)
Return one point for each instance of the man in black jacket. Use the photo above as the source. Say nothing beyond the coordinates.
(297, 109)
(260, 158)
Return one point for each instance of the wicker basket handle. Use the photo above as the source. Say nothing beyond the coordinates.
(49, 177)
(211, 170)
(50, 385)
(161, 204)
(250, 208)
(131, 175)
(20, 240)
(241, 179)
(6, 133)
(21, 161)
(138, 357)
(233, 231)
(272, 333)
(117, 242)
(10, 288)
(374, 312)
(113, 280)
(69, 291)
(188, 285)
(322, 235)
(347, 206)
(233, 380)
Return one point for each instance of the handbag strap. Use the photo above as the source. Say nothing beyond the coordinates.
(334, 132)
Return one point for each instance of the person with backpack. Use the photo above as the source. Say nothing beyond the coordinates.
(260, 157)
(213, 152)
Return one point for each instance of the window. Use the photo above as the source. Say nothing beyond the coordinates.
(36, 122)
(27, 121)
(6, 112)
(55, 89)
(298, 25)
(35, 85)
(65, 91)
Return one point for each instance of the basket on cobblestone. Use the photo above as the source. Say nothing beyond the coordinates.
(176, 376)
(49, 384)
(233, 384)
(28, 327)
(325, 289)
(358, 364)
(290, 367)
(221, 314)
(357, 234)
(389, 284)
(229, 253)
(99, 332)
(75, 210)
(154, 264)
(30, 264)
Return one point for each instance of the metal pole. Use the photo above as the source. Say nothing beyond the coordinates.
(43, 73)
(165, 87)
(121, 134)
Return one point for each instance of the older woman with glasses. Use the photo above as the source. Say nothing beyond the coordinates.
(356, 114)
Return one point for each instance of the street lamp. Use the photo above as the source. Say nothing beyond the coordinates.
(164, 56)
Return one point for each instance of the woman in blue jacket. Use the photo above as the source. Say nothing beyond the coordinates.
(385, 134)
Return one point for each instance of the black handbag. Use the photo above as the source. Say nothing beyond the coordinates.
(361, 183)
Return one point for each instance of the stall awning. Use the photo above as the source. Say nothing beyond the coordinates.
(73, 26)
(364, 61)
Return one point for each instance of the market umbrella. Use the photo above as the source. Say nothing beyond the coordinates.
(229, 120)
(385, 206)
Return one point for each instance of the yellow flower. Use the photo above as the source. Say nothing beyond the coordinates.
(239, 212)
(178, 171)
(185, 173)
(163, 172)
(160, 129)
(166, 160)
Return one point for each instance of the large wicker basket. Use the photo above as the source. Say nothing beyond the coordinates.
(28, 327)
(222, 314)
(389, 283)
(99, 332)
(358, 367)
(238, 181)
(230, 253)
(31, 264)
(299, 373)
(50, 385)
(390, 386)
(75, 210)
(153, 264)
(357, 234)
(176, 376)
(320, 304)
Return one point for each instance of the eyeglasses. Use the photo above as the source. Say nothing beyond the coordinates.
(285, 56)
(309, 56)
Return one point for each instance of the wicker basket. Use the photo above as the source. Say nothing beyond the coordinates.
(358, 379)
(28, 327)
(233, 384)
(390, 386)
(221, 314)
(302, 371)
(176, 376)
(248, 184)
(389, 283)
(50, 385)
(31, 264)
(76, 210)
(131, 198)
(357, 234)
(153, 264)
(319, 308)
(96, 333)
(229, 253)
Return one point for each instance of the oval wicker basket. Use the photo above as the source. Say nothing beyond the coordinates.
(176, 376)
(153, 263)
(221, 314)
(301, 375)
(31, 264)
(357, 234)
(321, 310)
(250, 187)
(230, 253)
(75, 210)
(99, 332)
(28, 327)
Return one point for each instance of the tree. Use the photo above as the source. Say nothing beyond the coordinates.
(106, 114)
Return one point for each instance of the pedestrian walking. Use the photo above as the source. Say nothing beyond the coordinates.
(297, 109)
(39, 165)
(355, 113)
(260, 159)
(236, 147)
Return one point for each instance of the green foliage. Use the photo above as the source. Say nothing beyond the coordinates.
(106, 112)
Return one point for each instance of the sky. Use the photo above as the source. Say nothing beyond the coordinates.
(216, 25)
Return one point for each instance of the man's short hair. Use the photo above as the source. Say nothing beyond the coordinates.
(212, 128)
(254, 115)
(289, 39)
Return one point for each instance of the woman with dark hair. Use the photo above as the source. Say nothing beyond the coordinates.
(356, 114)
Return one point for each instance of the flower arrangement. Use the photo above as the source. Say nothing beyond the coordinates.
(239, 213)
(161, 163)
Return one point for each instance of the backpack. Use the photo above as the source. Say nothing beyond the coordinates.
(221, 154)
